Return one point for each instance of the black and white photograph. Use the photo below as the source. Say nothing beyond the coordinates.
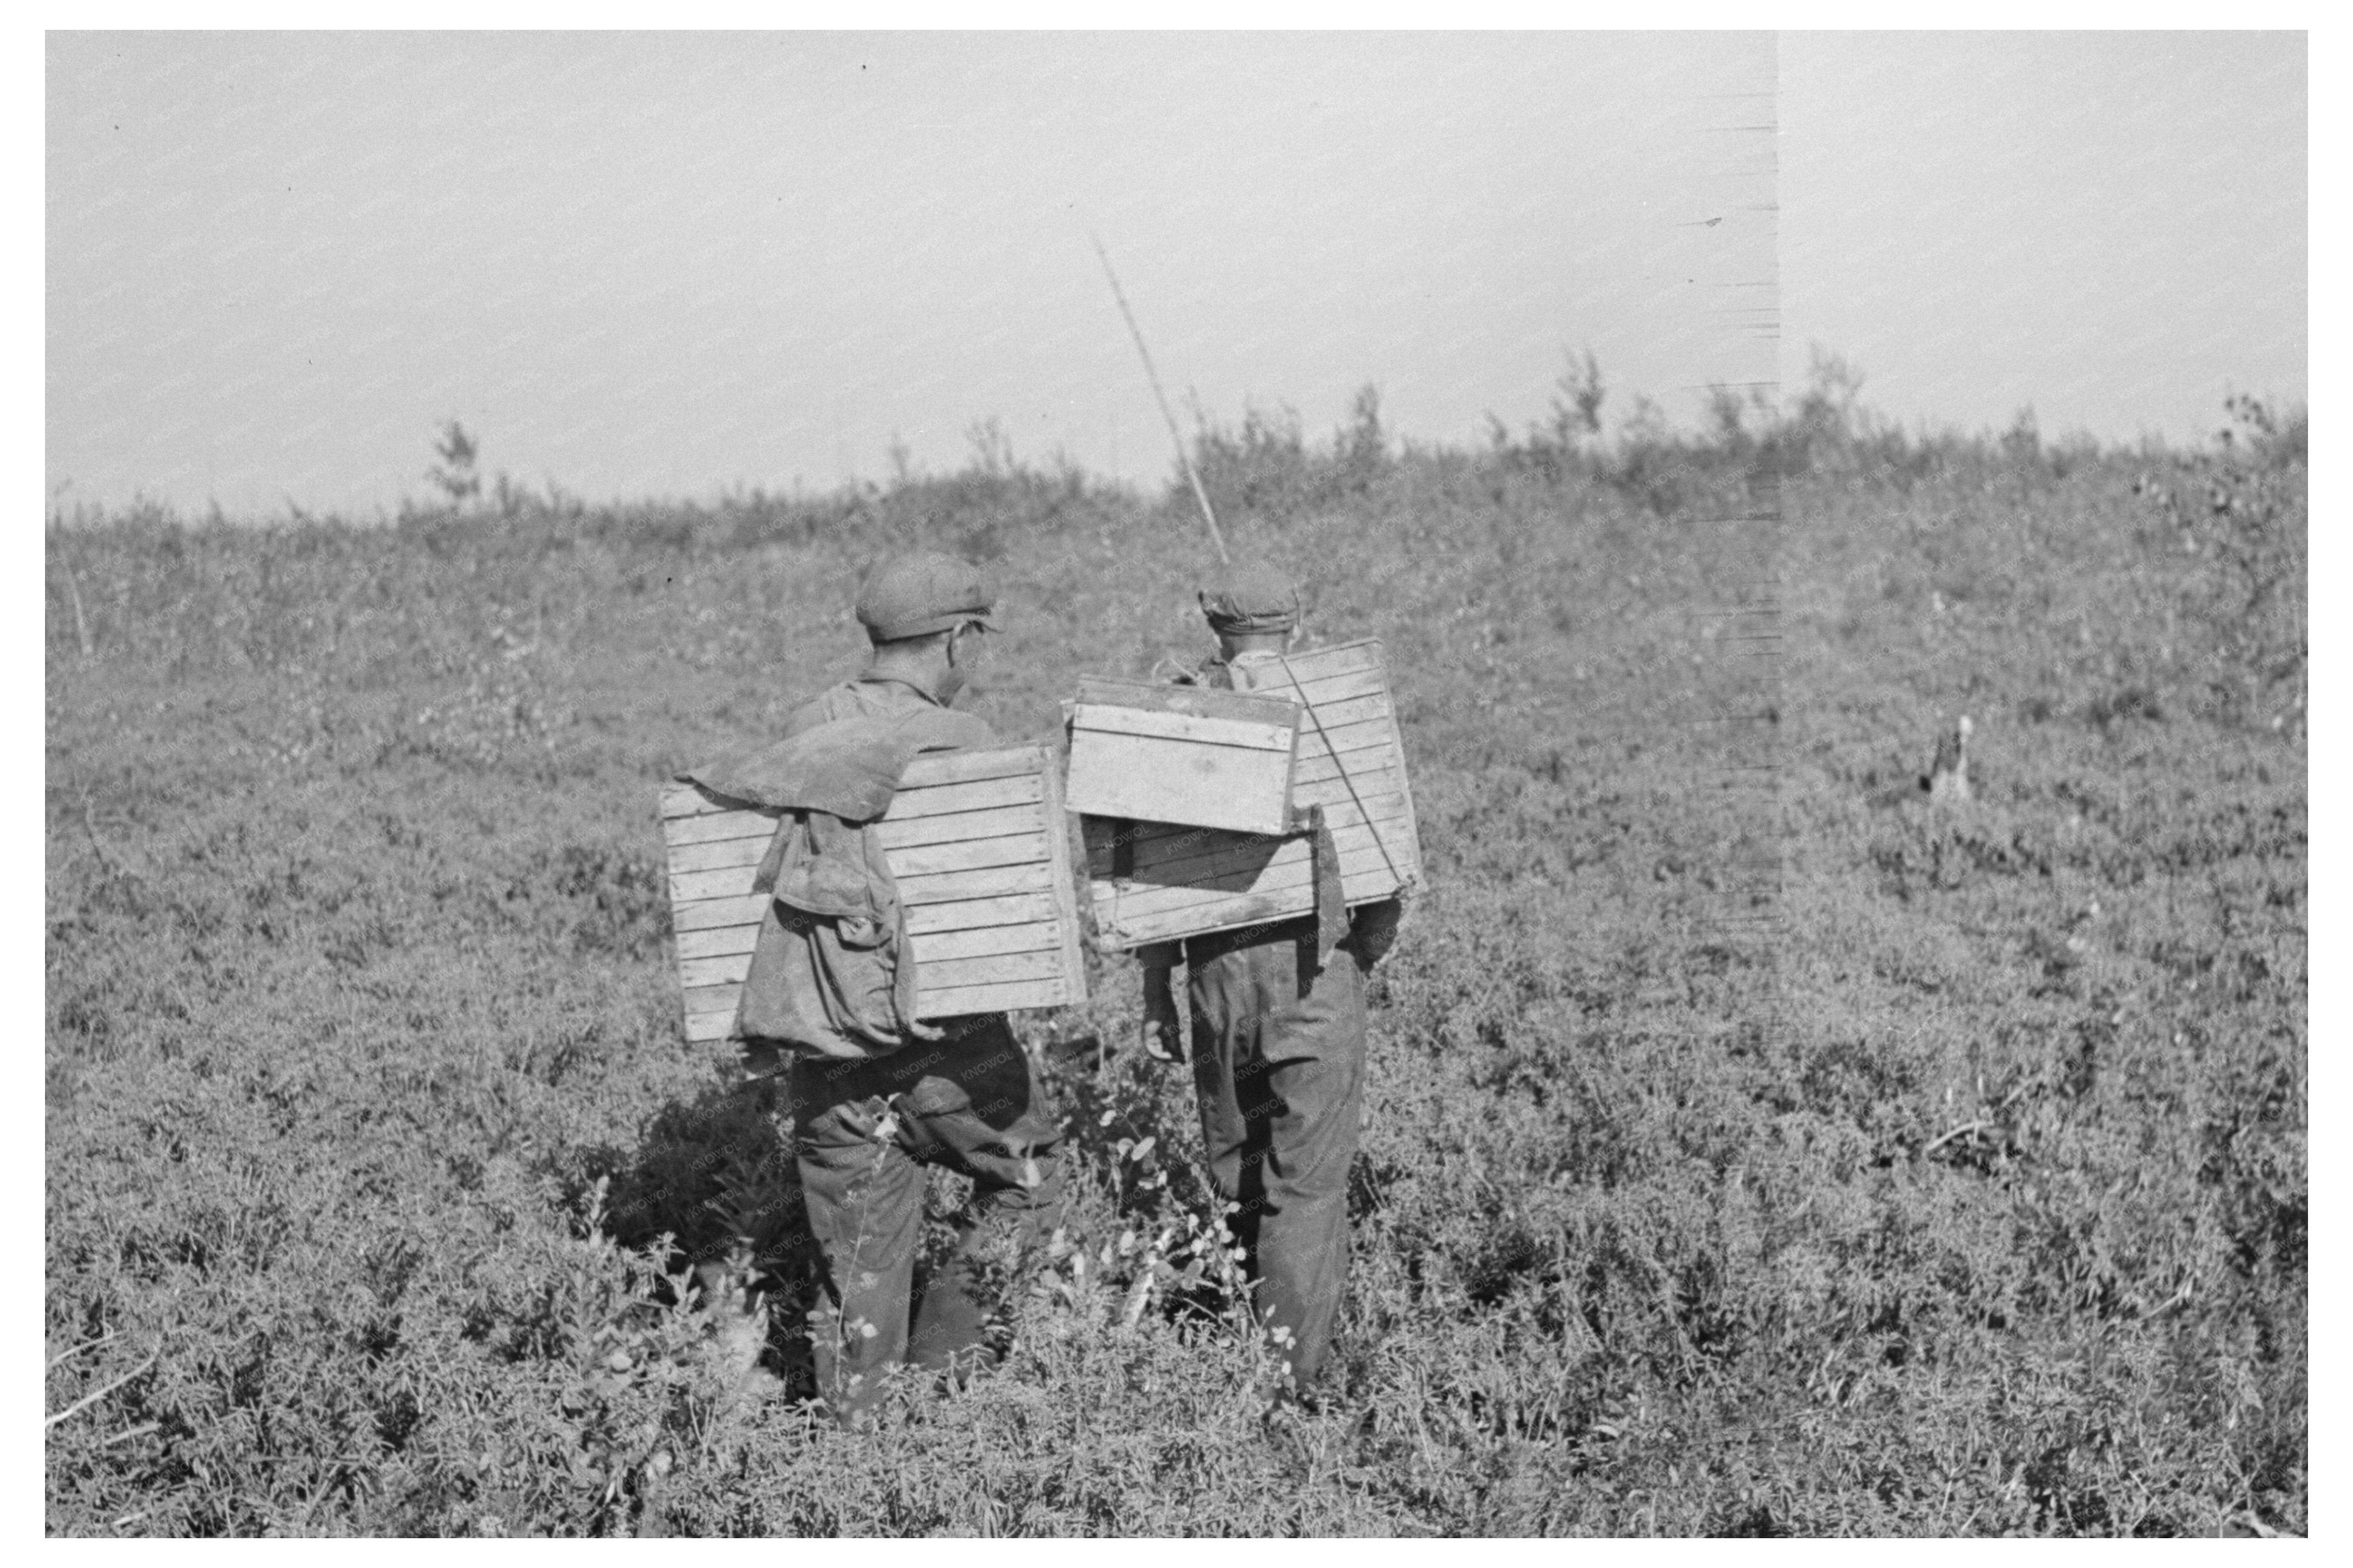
(1260, 775)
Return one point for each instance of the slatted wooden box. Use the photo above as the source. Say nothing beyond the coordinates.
(1151, 881)
(1186, 754)
(978, 846)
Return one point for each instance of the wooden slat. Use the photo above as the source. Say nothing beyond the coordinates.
(1137, 928)
(719, 971)
(1361, 757)
(997, 998)
(1389, 810)
(973, 854)
(1023, 909)
(1166, 857)
(711, 826)
(1358, 851)
(1182, 862)
(1209, 864)
(1161, 839)
(1052, 990)
(1287, 871)
(943, 958)
(760, 827)
(1011, 790)
(1363, 875)
(729, 882)
(1103, 834)
(1363, 653)
(1331, 716)
(995, 881)
(1204, 701)
(735, 882)
(709, 915)
(926, 773)
(1037, 936)
(933, 769)
(1065, 886)
(718, 941)
(713, 998)
(1187, 727)
(954, 825)
(1129, 925)
(1372, 882)
(1339, 796)
(1319, 690)
(1346, 738)
(679, 798)
(987, 969)
(720, 854)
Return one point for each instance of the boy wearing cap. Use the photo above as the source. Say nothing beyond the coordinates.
(969, 1099)
(1278, 1047)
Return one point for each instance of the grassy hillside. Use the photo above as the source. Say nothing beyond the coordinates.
(1966, 1196)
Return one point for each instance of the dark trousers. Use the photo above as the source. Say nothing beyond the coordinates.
(1279, 1067)
(863, 1132)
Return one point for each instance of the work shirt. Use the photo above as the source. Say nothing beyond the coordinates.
(829, 974)
(936, 726)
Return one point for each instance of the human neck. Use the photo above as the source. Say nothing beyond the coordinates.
(926, 673)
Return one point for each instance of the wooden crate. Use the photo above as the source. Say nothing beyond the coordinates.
(977, 844)
(1186, 754)
(1156, 882)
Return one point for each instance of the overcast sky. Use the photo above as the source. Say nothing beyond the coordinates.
(666, 265)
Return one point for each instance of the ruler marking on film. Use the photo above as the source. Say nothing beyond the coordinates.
(1734, 631)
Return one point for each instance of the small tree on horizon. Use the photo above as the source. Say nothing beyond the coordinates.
(456, 473)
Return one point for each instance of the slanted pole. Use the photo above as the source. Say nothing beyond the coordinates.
(1199, 494)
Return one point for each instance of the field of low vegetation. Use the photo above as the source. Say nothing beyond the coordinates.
(1961, 1190)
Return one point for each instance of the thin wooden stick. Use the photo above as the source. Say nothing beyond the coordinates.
(73, 579)
(1952, 1133)
(64, 1356)
(87, 1400)
(73, 591)
(1152, 375)
(105, 857)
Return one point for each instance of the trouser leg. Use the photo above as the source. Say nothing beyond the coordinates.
(977, 1107)
(1008, 1224)
(1279, 1067)
(865, 1200)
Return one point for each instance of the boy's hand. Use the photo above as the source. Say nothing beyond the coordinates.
(1162, 1040)
(1374, 927)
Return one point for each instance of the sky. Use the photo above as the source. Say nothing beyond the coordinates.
(672, 264)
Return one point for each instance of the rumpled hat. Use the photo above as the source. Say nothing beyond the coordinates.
(1251, 596)
(917, 595)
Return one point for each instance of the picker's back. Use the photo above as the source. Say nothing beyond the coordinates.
(976, 844)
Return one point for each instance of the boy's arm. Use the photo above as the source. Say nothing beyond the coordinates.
(1162, 1038)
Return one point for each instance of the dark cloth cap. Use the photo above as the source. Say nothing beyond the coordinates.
(1250, 597)
(917, 595)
